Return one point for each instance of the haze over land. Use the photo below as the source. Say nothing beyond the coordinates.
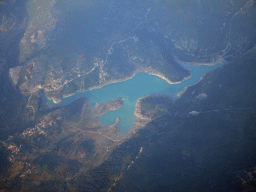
(78, 111)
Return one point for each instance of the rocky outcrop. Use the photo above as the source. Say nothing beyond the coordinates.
(14, 74)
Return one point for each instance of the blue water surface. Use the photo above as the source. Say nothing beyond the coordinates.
(140, 85)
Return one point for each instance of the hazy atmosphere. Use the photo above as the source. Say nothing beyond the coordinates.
(127, 95)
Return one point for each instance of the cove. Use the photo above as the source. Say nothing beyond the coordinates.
(140, 85)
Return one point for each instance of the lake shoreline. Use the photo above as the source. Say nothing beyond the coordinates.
(141, 70)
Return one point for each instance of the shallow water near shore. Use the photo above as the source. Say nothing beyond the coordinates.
(140, 85)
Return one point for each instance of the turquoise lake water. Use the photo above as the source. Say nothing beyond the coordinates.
(139, 86)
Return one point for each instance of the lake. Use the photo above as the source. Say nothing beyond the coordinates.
(140, 85)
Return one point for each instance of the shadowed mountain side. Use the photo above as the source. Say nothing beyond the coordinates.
(184, 151)
(204, 141)
(164, 48)
(200, 144)
(63, 54)
(73, 47)
(13, 23)
(201, 151)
